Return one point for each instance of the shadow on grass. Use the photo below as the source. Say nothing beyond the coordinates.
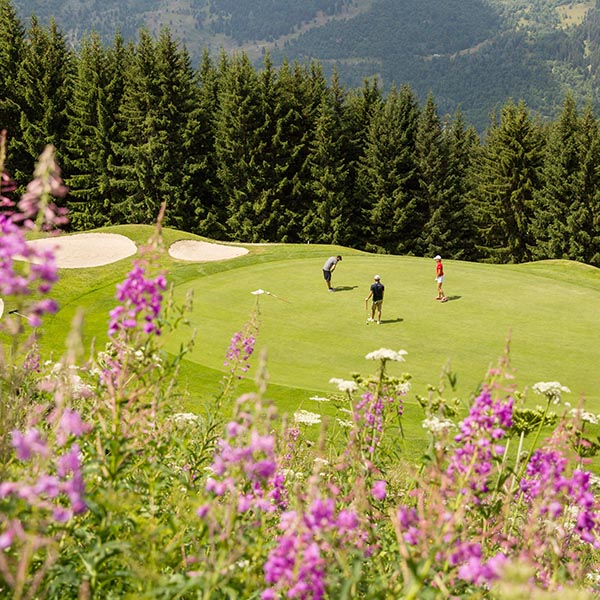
(345, 288)
(388, 321)
(449, 298)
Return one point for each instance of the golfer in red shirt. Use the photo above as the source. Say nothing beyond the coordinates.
(439, 277)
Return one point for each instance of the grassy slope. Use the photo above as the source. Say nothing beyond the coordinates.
(549, 310)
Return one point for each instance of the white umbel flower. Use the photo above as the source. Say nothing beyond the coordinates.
(553, 390)
(307, 417)
(387, 354)
(344, 385)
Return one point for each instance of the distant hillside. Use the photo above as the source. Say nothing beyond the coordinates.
(470, 53)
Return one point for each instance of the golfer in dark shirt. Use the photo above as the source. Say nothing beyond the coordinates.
(377, 290)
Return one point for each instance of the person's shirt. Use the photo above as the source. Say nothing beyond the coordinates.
(439, 269)
(330, 263)
(377, 289)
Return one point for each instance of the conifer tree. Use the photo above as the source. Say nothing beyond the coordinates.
(462, 144)
(327, 219)
(432, 151)
(157, 117)
(562, 183)
(507, 175)
(12, 49)
(44, 83)
(389, 176)
(299, 95)
(239, 140)
(210, 210)
(360, 106)
(93, 132)
(583, 220)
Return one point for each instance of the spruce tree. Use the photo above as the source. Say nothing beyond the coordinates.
(210, 212)
(389, 177)
(435, 194)
(462, 143)
(562, 183)
(507, 177)
(583, 221)
(12, 49)
(44, 81)
(240, 123)
(93, 132)
(299, 95)
(360, 106)
(157, 118)
(327, 220)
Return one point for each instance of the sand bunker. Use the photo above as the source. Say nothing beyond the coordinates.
(203, 251)
(83, 250)
(87, 249)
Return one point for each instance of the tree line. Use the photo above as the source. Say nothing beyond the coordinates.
(284, 155)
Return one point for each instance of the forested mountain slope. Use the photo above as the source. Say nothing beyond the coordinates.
(472, 53)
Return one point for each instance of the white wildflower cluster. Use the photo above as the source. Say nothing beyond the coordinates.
(595, 483)
(387, 354)
(437, 425)
(79, 388)
(403, 388)
(344, 385)
(584, 415)
(553, 390)
(320, 399)
(307, 417)
(343, 423)
(183, 419)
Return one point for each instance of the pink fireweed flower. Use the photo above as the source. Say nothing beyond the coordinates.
(37, 279)
(245, 464)
(35, 205)
(477, 446)
(7, 186)
(141, 298)
(379, 490)
(28, 444)
(297, 566)
(71, 423)
(240, 350)
(481, 572)
(55, 484)
(547, 486)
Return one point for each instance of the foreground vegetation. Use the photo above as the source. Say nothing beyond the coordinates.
(109, 491)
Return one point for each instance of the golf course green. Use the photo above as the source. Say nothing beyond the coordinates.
(548, 313)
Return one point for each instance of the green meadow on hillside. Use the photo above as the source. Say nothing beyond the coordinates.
(547, 312)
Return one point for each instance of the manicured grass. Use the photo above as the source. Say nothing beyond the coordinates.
(547, 312)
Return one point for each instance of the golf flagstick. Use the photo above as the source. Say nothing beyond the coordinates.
(259, 292)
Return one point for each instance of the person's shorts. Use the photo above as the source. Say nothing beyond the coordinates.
(327, 275)
(377, 302)
(440, 279)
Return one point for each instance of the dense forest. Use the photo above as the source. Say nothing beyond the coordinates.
(282, 154)
(472, 54)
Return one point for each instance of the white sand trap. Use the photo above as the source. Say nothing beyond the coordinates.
(83, 250)
(203, 251)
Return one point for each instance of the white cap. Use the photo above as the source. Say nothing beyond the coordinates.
(377, 277)
(437, 257)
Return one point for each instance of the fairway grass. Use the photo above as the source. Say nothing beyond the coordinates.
(547, 313)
